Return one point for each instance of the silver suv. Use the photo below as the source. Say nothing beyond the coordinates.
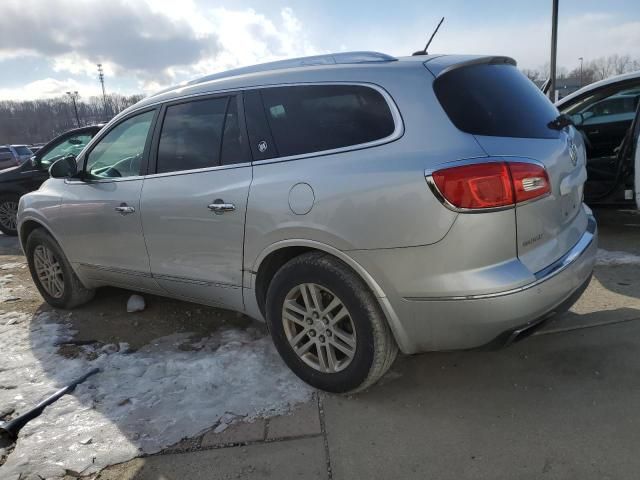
(356, 202)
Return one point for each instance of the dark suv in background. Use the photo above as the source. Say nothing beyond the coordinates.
(28, 176)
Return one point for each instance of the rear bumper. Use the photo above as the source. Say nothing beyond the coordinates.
(461, 322)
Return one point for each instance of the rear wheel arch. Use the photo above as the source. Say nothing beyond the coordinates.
(277, 255)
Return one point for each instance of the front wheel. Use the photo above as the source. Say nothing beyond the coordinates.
(52, 273)
(8, 215)
(327, 325)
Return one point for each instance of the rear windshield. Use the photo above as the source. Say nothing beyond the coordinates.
(4, 150)
(495, 100)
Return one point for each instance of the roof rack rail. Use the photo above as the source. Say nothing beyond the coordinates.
(329, 59)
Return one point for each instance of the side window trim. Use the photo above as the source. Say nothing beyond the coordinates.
(224, 124)
(152, 169)
(104, 132)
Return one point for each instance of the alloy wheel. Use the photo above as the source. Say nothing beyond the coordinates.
(8, 214)
(49, 271)
(319, 328)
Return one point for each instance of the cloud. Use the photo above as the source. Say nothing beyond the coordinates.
(157, 42)
(49, 88)
(128, 35)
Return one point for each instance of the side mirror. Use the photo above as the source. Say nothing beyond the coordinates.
(64, 168)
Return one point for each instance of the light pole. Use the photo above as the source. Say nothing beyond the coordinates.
(104, 95)
(554, 49)
(581, 60)
(73, 96)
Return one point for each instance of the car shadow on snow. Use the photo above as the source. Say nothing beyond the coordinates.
(170, 372)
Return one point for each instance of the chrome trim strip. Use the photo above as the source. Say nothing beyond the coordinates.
(198, 170)
(193, 281)
(542, 276)
(436, 192)
(122, 271)
(73, 181)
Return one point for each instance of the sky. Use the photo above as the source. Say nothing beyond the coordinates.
(48, 47)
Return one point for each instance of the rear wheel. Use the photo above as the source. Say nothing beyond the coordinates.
(327, 325)
(52, 273)
(8, 214)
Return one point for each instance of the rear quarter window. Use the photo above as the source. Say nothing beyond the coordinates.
(316, 118)
(495, 100)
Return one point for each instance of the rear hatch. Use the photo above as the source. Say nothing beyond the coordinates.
(509, 117)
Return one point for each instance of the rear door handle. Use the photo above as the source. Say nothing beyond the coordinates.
(219, 206)
(124, 209)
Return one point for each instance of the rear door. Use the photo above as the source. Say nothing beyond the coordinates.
(194, 200)
(510, 119)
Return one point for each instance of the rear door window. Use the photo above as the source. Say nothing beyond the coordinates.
(316, 118)
(495, 100)
(200, 134)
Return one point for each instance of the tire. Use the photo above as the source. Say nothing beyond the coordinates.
(362, 344)
(66, 291)
(8, 213)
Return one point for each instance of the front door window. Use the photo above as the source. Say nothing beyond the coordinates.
(119, 153)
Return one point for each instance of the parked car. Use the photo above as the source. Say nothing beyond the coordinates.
(13, 155)
(22, 152)
(607, 113)
(357, 202)
(29, 175)
(7, 158)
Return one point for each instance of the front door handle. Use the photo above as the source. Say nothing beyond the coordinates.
(219, 206)
(124, 209)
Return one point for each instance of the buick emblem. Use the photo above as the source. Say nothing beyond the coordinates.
(262, 146)
(573, 152)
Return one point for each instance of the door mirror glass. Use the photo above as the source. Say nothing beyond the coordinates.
(64, 168)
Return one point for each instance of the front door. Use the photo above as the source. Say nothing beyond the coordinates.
(100, 212)
(194, 202)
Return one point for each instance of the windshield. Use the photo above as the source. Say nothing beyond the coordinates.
(495, 100)
(69, 146)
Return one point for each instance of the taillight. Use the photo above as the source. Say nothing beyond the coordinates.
(491, 185)
(529, 181)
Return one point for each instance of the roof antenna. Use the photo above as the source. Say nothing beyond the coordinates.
(424, 52)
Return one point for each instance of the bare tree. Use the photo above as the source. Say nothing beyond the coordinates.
(40, 120)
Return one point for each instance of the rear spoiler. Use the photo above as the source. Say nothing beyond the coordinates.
(438, 66)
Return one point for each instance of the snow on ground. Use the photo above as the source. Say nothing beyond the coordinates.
(140, 402)
(609, 258)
